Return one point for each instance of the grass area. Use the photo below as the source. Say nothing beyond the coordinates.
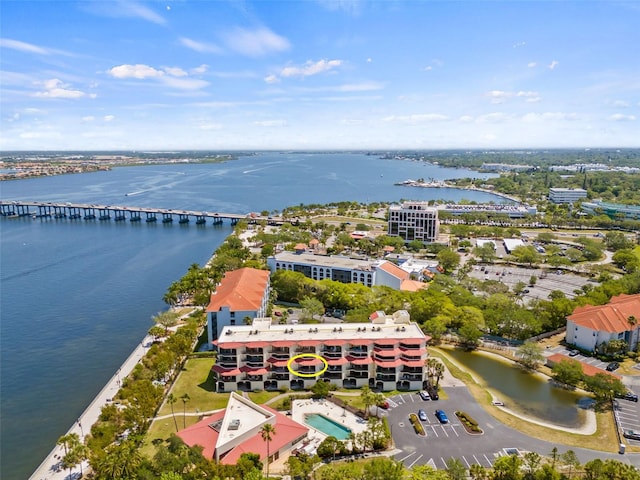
(352, 400)
(196, 380)
(263, 396)
(604, 439)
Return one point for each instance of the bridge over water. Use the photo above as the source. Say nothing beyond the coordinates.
(81, 211)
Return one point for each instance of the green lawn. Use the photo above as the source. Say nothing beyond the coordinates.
(196, 380)
(636, 251)
(262, 396)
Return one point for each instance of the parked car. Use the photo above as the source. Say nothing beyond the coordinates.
(573, 353)
(422, 415)
(277, 314)
(433, 392)
(442, 417)
(632, 434)
(384, 404)
(425, 395)
(613, 366)
(632, 397)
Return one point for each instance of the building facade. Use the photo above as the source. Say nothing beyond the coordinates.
(241, 294)
(414, 221)
(566, 195)
(612, 210)
(387, 354)
(590, 326)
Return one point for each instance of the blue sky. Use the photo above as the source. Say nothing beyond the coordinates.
(326, 74)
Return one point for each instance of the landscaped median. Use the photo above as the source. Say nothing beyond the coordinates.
(417, 426)
(469, 424)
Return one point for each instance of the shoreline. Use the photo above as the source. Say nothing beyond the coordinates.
(589, 427)
(441, 184)
(49, 469)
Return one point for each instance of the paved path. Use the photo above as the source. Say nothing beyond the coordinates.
(50, 468)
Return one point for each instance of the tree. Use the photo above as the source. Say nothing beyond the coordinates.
(532, 280)
(568, 372)
(311, 307)
(435, 368)
(267, 433)
(301, 465)
(185, 398)
(455, 469)
(120, 460)
(166, 319)
(486, 252)
(321, 389)
(74, 451)
(448, 259)
(383, 468)
(507, 468)
(604, 387)
(530, 354)
(469, 334)
(570, 459)
(478, 472)
(526, 254)
(368, 399)
(171, 399)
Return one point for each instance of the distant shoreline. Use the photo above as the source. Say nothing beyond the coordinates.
(444, 184)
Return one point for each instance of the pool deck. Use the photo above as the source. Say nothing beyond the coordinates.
(300, 408)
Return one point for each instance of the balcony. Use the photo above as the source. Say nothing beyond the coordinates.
(306, 350)
(253, 351)
(386, 371)
(281, 355)
(358, 351)
(253, 358)
(353, 374)
(332, 353)
(332, 375)
(385, 378)
(279, 376)
(411, 377)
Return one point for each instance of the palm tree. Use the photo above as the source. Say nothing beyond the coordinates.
(185, 398)
(368, 399)
(172, 399)
(267, 432)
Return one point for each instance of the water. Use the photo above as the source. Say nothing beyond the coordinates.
(76, 297)
(327, 426)
(523, 392)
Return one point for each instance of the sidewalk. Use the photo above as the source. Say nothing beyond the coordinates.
(50, 469)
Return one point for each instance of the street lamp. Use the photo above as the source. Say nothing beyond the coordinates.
(81, 430)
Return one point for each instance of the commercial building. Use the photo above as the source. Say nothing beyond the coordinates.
(229, 433)
(344, 269)
(241, 294)
(388, 354)
(512, 211)
(414, 221)
(613, 210)
(590, 326)
(566, 195)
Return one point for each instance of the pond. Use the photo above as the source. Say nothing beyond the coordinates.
(524, 393)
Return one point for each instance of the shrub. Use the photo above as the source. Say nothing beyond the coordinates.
(468, 422)
(417, 426)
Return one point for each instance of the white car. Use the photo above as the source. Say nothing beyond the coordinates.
(425, 395)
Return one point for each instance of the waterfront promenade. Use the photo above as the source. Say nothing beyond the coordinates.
(50, 468)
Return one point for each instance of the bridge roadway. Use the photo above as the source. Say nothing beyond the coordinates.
(120, 213)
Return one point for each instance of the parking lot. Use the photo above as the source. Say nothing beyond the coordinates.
(627, 415)
(546, 280)
(594, 362)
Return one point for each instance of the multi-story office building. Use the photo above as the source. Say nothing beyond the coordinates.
(566, 195)
(389, 353)
(613, 210)
(241, 294)
(414, 221)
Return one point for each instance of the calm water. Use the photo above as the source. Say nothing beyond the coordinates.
(76, 297)
(523, 392)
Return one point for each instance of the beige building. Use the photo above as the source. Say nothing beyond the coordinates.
(414, 221)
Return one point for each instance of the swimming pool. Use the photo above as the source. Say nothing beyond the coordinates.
(327, 426)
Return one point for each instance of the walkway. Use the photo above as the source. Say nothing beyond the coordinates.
(50, 469)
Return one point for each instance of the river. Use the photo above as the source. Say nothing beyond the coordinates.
(76, 297)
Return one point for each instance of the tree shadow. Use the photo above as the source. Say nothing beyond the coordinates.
(209, 384)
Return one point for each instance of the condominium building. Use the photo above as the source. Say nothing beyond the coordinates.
(613, 210)
(414, 221)
(344, 269)
(242, 294)
(389, 353)
(566, 195)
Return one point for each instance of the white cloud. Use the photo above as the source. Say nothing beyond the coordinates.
(271, 123)
(210, 126)
(124, 9)
(519, 44)
(184, 83)
(55, 88)
(620, 104)
(466, 119)
(428, 68)
(202, 47)
(108, 118)
(416, 118)
(619, 117)
(496, 117)
(23, 46)
(532, 64)
(499, 96)
(310, 68)
(138, 71)
(530, 97)
(369, 60)
(351, 121)
(549, 116)
(200, 70)
(271, 79)
(175, 71)
(553, 64)
(352, 7)
(255, 43)
(88, 118)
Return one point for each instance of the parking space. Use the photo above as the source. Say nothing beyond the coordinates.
(627, 415)
(594, 362)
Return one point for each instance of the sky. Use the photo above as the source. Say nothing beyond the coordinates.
(318, 74)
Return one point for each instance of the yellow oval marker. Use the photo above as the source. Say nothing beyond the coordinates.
(307, 375)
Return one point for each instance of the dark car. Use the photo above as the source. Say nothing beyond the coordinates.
(433, 392)
(613, 366)
(632, 397)
(422, 415)
(442, 417)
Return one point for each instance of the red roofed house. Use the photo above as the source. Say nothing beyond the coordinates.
(241, 293)
(589, 326)
(229, 433)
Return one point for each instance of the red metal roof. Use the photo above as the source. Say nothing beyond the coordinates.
(385, 341)
(308, 361)
(308, 343)
(412, 341)
(413, 363)
(386, 352)
(360, 341)
(231, 373)
(283, 343)
(221, 369)
(360, 361)
(334, 343)
(256, 344)
(337, 361)
(612, 318)
(253, 371)
(230, 345)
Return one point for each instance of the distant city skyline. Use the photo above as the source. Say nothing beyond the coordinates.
(314, 75)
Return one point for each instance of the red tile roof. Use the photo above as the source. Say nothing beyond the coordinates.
(587, 369)
(612, 318)
(240, 290)
(202, 434)
(393, 269)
